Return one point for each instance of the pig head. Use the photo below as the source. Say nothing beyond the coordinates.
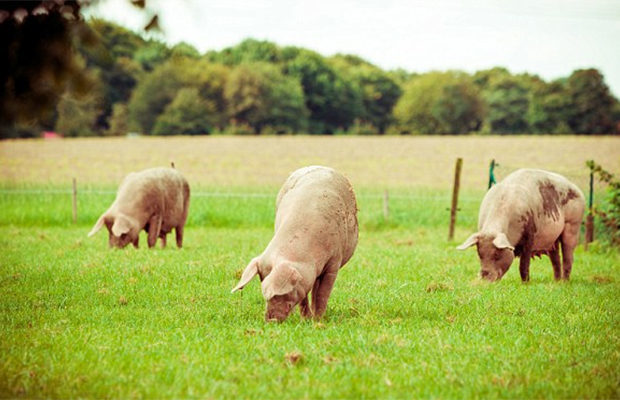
(122, 229)
(495, 252)
(283, 288)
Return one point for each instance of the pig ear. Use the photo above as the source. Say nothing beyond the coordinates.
(98, 225)
(121, 225)
(282, 280)
(501, 242)
(472, 240)
(248, 273)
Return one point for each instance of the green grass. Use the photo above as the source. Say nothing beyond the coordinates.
(408, 317)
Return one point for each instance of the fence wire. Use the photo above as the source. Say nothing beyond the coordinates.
(399, 196)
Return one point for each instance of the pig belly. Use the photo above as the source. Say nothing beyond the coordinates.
(548, 232)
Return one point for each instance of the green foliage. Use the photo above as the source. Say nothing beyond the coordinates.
(153, 93)
(591, 103)
(507, 101)
(342, 93)
(77, 113)
(332, 99)
(109, 54)
(549, 108)
(187, 114)
(37, 59)
(259, 95)
(483, 77)
(184, 49)
(440, 103)
(609, 210)
(236, 128)
(379, 91)
(152, 54)
(76, 116)
(119, 121)
(158, 89)
(111, 41)
(248, 51)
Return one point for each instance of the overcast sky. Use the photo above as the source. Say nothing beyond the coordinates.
(550, 38)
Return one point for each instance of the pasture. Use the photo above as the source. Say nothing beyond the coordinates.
(408, 317)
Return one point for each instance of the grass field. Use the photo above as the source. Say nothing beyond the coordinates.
(408, 317)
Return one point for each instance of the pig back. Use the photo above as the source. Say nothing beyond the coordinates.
(534, 200)
(155, 190)
(316, 200)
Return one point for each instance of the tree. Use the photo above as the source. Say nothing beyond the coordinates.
(158, 88)
(119, 121)
(77, 115)
(440, 103)
(378, 90)
(36, 49)
(111, 41)
(483, 77)
(187, 114)
(333, 101)
(507, 100)
(549, 108)
(248, 51)
(110, 54)
(591, 103)
(184, 49)
(259, 95)
(152, 54)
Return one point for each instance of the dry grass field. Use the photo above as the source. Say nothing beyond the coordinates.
(264, 162)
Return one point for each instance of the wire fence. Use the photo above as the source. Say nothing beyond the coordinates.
(388, 202)
(362, 195)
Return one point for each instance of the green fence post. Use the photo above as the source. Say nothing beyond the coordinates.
(491, 174)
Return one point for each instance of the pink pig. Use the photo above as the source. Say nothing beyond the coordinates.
(315, 235)
(530, 213)
(156, 200)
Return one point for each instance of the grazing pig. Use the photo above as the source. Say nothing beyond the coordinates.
(315, 235)
(155, 200)
(530, 213)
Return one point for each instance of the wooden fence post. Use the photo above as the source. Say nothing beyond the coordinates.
(74, 201)
(455, 196)
(386, 205)
(590, 217)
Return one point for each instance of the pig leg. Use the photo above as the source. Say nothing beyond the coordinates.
(524, 261)
(179, 235)
(304, 308)
(320, 297)
(570, 237)
(554, 255)
(163, 241)
(154, 229)
(135, 242)
(524, 266)
(315, 293)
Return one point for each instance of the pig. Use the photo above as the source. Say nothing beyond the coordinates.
(530, 213)
(315, 235)
(156, 200)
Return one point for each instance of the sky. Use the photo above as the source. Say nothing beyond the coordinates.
(550, 38)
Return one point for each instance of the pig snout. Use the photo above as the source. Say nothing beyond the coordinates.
(490, 275)
(278, 313)
(272, 316)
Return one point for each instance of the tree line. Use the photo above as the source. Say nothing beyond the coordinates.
(133, 84)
